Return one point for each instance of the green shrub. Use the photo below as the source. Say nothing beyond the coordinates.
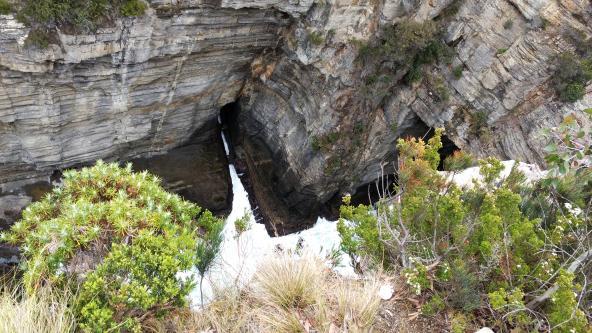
(82, 15)
(133, 8)
(316, 38)
(572, 92)
(481, 244)
(5, 7)
(478, 123)
(37, 38)
(571, 76)
(508, 24)
(119, 235)
(433, 306)
(563, 317)
(463, 284)
(440, 89)
(459, 323)
(459, 160)
(458, 71)
(408, 44)
(324, 142)
(415, 74)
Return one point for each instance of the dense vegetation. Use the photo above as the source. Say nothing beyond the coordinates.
(120, 241)
(408, 45)
(511, 252)
(85, 16)
(571, 77)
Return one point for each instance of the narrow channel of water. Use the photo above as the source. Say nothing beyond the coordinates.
(239, 256)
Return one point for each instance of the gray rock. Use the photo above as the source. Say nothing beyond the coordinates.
(311, 128)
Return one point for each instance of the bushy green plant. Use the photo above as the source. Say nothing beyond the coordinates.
(133, 8)
(5, 7)
(433, 306)
(459, 160)
(136, 281)
(316, 38)
(458, 71)
(571, 76)
(478, 244)
(325, 141)
(408, 44)
(38, 38)
(119, 235)
(564, 314)
(83, 15)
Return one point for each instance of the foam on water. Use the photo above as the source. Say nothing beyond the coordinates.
(239, 256)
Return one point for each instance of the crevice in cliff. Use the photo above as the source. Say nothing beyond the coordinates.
(229, 123)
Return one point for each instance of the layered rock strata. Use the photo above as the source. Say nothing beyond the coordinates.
(311, 126)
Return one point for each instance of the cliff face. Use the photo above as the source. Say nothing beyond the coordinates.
(143, 86)
(310, 132)
(314, 90)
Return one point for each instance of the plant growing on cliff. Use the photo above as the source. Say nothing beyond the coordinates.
(122, 238)
(133, 8)
(459, 160)
(5, 7)
(81, 15)
(481, 247)
(316, 38)
(571, 76)
(408, 47)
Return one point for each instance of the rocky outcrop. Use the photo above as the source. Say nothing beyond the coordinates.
(313, 91)
(142, 86)
(311, 128)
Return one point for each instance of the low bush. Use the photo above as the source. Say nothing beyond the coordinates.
(38, 38)
(120, 237)
(133, 8)
(316, 38)
(459, 160)
(571, 77)
(82, 15)
(458, 71)
(483, 247)
(408, 44)
(5, 7)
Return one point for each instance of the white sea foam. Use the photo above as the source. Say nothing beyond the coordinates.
(240, 256)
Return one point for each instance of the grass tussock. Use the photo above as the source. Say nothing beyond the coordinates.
(43, 312)
(357, 306)
(287, 282)
(290, 295)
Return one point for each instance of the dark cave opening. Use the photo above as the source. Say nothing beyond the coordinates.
(229, 114)
(448, 149)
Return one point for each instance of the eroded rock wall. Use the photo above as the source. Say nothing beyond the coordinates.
(312, 127)
(143, 86)
(307, 107)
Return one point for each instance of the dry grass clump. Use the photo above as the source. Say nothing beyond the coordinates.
(43, 312)
(291, 295)
(357, 306)
(290, 283)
